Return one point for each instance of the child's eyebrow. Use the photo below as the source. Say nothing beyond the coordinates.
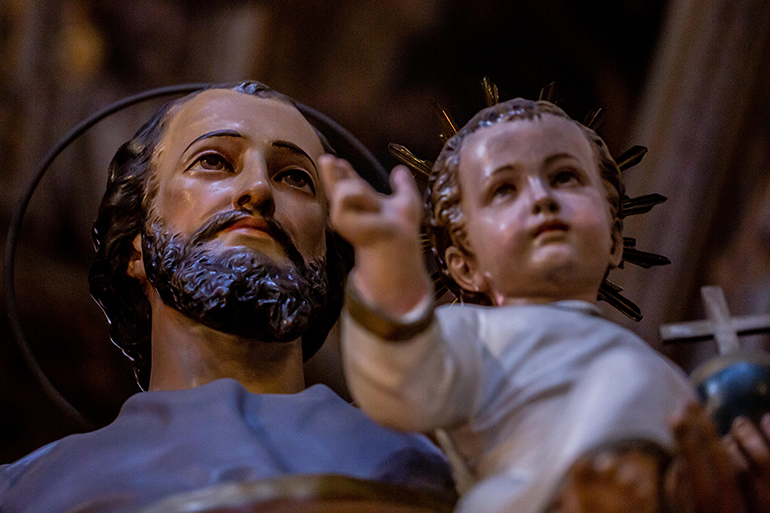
(505, 168)
(548, 161)
(558, 156)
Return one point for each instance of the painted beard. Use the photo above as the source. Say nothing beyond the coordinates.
(236, 290)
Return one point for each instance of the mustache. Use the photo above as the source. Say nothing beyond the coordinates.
(224, 220)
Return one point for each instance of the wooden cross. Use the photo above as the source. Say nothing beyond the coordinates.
(720, 325)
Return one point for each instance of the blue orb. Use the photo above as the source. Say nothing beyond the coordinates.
(733, 385)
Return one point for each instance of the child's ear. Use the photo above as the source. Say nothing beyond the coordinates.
(616, 253)
(464, 270)
(136, 262)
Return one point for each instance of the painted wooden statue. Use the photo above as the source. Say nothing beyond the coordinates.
(538, 393)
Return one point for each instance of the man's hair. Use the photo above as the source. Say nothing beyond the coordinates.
(131, 188)
(446, 222)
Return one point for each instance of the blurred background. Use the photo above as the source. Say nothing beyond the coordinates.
(687, 78)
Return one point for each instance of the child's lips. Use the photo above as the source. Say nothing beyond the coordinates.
(553, 225)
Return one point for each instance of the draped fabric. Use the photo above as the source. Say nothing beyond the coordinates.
(169, 442)
(522, 391)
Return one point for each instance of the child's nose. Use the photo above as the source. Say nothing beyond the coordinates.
(542, 197)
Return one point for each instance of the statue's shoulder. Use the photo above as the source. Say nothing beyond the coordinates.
(11, 473)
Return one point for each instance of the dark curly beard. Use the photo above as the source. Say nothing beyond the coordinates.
(235, 290)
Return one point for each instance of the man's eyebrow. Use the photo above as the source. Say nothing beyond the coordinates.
(215, 133)
(293, 147)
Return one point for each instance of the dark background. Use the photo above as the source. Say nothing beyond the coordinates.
(688, 79)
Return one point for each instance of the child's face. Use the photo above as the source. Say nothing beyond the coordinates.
(537, 218)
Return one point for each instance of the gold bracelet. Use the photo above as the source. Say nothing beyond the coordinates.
(381, 325)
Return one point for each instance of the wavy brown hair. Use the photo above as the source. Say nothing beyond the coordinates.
(131, 188)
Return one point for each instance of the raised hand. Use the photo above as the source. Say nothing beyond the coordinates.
(385, 232)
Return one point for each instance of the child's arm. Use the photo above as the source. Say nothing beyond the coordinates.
(398, 365)
(389, 273)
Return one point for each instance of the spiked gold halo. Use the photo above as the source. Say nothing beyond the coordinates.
(608, 291)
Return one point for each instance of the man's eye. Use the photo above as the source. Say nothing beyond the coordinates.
(565, 177)
(297, 178)
(213, 162)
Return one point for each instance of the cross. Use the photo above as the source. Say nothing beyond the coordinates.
(720, 325)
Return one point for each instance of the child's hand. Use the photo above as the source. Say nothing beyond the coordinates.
(702, 478)
(749, 450)
(362, 215)
(385, 232)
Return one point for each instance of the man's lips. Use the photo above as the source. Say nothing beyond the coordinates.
(252, 224)
(548, 226)
(249, 225)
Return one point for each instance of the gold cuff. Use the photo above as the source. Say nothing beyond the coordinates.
(381, 325)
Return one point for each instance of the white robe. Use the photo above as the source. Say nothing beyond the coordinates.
(523, 391)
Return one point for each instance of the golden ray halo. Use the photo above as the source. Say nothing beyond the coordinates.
(609, 291)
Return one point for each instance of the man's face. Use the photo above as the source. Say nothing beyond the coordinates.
(224, 150)
(537, 217)
(235, 237)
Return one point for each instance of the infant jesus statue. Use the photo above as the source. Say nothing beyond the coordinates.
(530, 380)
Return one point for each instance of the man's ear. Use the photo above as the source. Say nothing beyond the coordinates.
(464, 270)
(616, 252)
(136, 262)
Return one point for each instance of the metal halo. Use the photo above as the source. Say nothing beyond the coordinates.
(374, 173)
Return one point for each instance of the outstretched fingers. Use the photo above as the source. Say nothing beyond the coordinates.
(403, 184)
(384, 231)
(354, 205)
(406, 197)
(334, 170)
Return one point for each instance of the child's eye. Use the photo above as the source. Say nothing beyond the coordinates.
(297, 178)
(565, 177)
(503, 190)
(212, 162)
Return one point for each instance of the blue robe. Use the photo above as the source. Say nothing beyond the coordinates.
(169, 442)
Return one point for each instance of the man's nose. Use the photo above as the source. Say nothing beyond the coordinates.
(255, 191)
(543, 200)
